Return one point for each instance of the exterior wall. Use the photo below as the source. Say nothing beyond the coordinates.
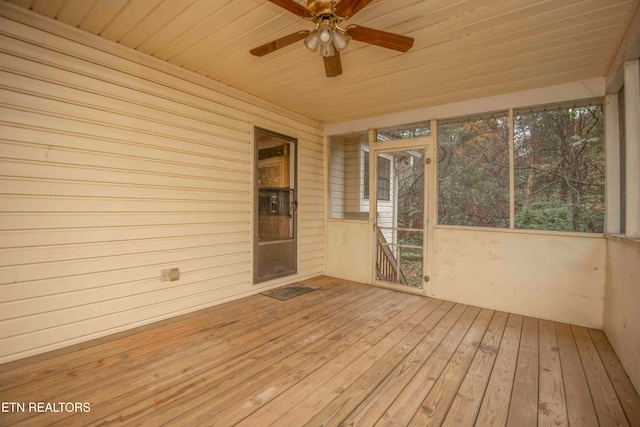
(550, 276)
(621, 314)
(115, 166)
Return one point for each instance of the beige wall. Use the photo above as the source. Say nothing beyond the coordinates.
(555, 277)
(622, 303)
(349, 250)
(115, 166)
(550, 276)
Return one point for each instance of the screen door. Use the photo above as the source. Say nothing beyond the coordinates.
(400, 217)
(275, 206)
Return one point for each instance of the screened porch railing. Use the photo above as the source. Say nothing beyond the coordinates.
(387, 268)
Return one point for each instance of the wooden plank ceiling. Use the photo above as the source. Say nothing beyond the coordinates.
(463, 49)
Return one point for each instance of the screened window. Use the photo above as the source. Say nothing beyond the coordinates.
(473, 171)
(559, 169)
(623, 162)
(406, 131)
(345, 177)
(384, 178)
(365, 174)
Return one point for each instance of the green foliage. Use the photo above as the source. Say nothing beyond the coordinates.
(558, 216)
(553, 216)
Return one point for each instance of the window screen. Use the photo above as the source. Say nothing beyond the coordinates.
(473, 171)
(559, 168)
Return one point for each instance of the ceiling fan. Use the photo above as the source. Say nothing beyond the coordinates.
(328, 35)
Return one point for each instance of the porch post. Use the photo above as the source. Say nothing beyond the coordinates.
(612, 169)
(632, 146)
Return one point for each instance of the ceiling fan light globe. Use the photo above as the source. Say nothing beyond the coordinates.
(340, 40)
(327, 49)
(325, 36)
(312, 41)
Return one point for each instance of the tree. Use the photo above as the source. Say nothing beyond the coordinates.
(559, 160)
(473, 173)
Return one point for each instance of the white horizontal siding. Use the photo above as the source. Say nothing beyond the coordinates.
(114, 166)
(364, 203)
(336, 178)
(352, 166)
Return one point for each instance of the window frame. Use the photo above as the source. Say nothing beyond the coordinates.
(595, 101)
(577, 104)
(462, 120)
(365, 178)
(383, 175)
(365, 153)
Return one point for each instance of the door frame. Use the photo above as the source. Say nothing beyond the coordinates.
(293, 160)
(427, 144)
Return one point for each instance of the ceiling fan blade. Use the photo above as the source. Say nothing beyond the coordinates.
(380, 38)
(278, 43)
(333, 65)
(294, 7)
(347, 8)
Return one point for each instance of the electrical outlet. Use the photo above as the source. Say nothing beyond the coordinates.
(170, 275)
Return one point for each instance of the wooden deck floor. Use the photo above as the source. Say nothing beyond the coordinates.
(346, 354)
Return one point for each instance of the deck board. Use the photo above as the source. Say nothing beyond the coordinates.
(436, 405)
(629, 399)
(376, 402)
(464, 408)
(580, 408)
(523, 407)
(405, 405)
(355, 393)
(347, 354)
(552, 408)
(495, 404)
(333, 389)
(605, 400)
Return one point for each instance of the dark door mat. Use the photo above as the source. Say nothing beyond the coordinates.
(288, 292)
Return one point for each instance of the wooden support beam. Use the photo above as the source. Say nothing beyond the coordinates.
(632, 146)
(612, 156)
(629, 49)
